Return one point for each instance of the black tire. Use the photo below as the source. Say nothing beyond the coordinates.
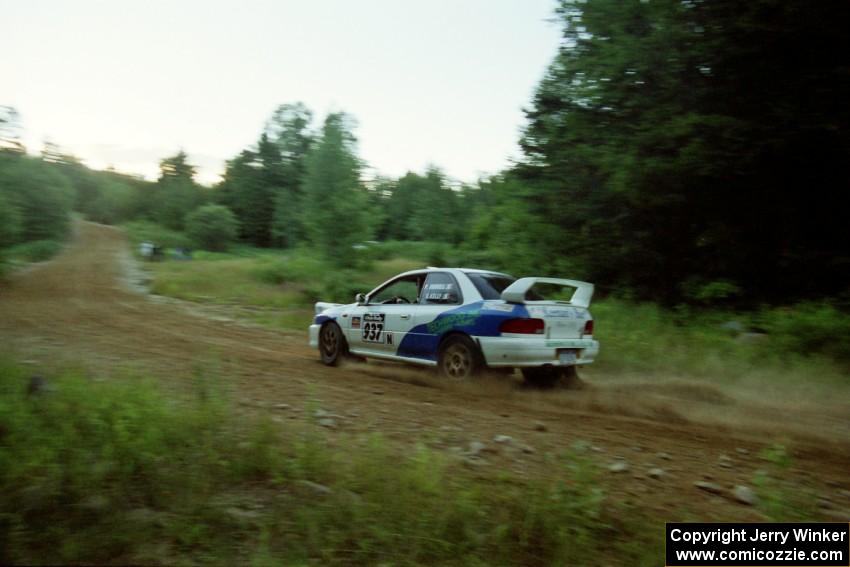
(570, 379)
(332, 345)
(542, 376)
(553, 376)
(459, 358)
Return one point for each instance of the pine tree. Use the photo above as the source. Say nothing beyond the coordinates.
(335, 199)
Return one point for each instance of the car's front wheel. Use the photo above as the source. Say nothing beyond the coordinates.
(459, 358)
(332, 345)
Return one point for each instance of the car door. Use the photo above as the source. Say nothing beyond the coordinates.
(380, 325)
(440, 294)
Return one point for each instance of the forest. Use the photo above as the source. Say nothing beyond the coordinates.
(680, 152)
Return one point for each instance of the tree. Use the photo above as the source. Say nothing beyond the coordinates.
(10, 222)
(53, 153)
(114, 202)
(289, 130)
(10, 131)
(400, 205)
(212, 227)
(176, 193)
(378, 193)
(335, 197)
(669, 141)
(510, 235)
(177, 169)
(251, 183)
(42, 197)
(434, 215)
(424, 208)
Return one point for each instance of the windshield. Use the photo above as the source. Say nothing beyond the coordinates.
(490, 286)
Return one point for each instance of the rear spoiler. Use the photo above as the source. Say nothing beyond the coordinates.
(515, 293)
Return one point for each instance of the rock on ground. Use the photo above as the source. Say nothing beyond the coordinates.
(709, 487)
(744, 495)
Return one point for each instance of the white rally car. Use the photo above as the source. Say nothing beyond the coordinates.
(462, 320)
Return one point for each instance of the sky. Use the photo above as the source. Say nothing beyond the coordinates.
(126, 83)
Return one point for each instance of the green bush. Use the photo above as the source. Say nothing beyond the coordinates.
(212, 227)
(139, 231)
(10, 222)
(296, 266)
(808, 328)
(78, 460)
(114, 202)
(42, 196)
(37, 251)
(432, 253)
(340, 287)
(10, 230)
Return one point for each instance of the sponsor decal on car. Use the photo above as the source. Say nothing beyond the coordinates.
(373, 326)
(565, 312)
(499, 307)
(560, 312)
(442, 324)
(355, 322)
(575, 343)
(438, 291)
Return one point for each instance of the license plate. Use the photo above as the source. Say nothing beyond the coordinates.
(567, 358)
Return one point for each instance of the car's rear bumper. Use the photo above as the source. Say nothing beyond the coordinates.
(537, 351)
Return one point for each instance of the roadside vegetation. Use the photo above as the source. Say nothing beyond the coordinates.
(800, 343)
(119, 471)
(35, 210)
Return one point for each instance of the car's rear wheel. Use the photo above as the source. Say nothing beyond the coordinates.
(459, 358)
(332, 345)
(570, 379)
(552, 376)
(542, 376)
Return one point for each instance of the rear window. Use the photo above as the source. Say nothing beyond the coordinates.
(490, 286)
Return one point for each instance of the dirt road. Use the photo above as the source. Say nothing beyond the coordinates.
(79, 309)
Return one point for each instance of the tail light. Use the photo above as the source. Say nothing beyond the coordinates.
(588, 327)
(522, 326)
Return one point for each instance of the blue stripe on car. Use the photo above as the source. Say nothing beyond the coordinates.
(473, 319)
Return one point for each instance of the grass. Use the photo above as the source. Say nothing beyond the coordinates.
(646, 339)
(277, 288)
(116, 471)
(139, 231)
(25, 253)
(227, 281)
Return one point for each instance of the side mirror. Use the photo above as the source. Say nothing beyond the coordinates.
(360, 299)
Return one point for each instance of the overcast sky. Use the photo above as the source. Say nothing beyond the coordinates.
(126, 83)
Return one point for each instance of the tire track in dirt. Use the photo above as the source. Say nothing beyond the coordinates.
(79, 308)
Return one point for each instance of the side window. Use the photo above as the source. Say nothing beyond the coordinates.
(440, 289)
(404, 290)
